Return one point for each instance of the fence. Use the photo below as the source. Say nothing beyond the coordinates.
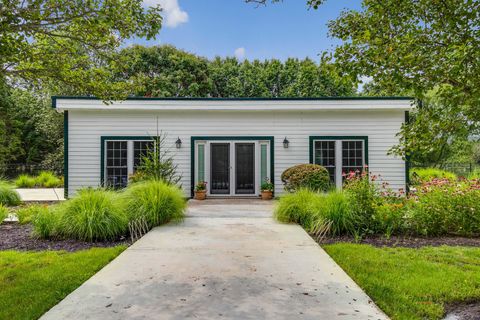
(460, 169)
(14, 170)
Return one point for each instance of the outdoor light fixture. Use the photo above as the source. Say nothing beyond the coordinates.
(178, 143)
(286, 143)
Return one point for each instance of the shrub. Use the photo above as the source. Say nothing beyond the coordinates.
(3, 213)
(389, 219)
(309, 176)
(26, 214)
(94, 214)
(25, 181)
(421, 175)
(299, 207)
(155, 201)
(45, 222)
(8, 195)
(47, 179)
(334, 215)
(443, 207)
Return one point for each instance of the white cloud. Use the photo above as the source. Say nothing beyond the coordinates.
(240, 53)
(172, 13)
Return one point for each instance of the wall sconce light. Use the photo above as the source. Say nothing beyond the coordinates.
(178, 143)
(286, 143)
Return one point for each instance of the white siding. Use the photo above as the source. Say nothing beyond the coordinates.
(86, 127)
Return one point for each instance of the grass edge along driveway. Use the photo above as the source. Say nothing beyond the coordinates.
(33, 282)
(412, 283)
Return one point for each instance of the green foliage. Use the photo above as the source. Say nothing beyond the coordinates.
(8, 195)
(412, 283)
(475, 174)
(310, 176)
(267, 186)
(27, 214)
(299, 207)
(164, 71)
(422, 175)
(389, 219)
(70, 43)
(155, 201)
(201, 186)
(3, 213)
(92, 215)
(157, 164)
(47, 179)
(45, 222)
(31, 283)
(25, 181)
(443, 207)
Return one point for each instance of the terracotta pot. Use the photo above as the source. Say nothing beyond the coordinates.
(267, 195)
(200, 195)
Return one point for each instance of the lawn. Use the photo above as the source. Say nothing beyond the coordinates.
(33, 282)
(412, 283)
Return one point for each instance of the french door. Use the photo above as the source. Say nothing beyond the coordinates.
(233, 168)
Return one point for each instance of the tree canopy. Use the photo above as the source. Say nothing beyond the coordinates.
(70, 42)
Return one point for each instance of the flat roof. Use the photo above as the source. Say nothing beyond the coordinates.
(241, 104)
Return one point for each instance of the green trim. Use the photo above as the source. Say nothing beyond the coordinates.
(65, 154)
(407, 159)
(115, 138)
(313, 138)
(193, 139)
(55, 98)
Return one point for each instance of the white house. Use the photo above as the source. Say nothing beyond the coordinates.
(232, 144)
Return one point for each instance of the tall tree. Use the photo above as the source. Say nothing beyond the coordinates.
(70, 42)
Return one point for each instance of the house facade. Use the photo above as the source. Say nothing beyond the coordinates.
(231, 144)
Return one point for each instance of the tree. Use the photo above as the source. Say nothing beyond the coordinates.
(70, 42)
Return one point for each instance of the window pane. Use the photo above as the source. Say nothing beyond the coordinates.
(116, 164)
(140, 150)
(325, 156)
(263, 163)
(201, 163)
(352, 161)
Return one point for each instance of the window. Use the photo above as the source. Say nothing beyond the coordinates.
(325, 156)
(117, 164)
(340, 156)
(140, 150)
(122, 158)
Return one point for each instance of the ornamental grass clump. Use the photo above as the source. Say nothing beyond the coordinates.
(47, 179)
(25, 181)
(154, 201)
(8, 195)
(92, 215)
(27, 214)
(333, 215)
(299, 207)
(3, 213)
(45, 222)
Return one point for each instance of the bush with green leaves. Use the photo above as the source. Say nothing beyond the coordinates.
(155, 201)
(445, 207)
(8, 195)
(421, 175)
(3, 213)
(45, 222)
(27, 214)
(92, 215)
(306, 176)
(25, 181)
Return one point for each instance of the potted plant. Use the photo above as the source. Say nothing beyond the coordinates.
(267, 190)
(200, 190)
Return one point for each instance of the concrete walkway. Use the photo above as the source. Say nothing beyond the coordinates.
(41, 194)
(227, 260)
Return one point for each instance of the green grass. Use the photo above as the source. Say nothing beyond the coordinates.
(33, 282)
(25, 181)
(3, 213)
(412, 283)
(8, 195)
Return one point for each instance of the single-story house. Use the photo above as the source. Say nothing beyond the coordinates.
(233, 144)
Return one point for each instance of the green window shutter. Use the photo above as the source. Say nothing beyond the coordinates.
(263, 163)
(201, 163)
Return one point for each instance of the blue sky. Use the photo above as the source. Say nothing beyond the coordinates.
(228, 27)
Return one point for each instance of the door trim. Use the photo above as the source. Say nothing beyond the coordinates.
(194, 139)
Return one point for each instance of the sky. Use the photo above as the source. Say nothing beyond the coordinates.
(212, 28)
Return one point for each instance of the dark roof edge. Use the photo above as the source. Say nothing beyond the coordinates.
(55, 98)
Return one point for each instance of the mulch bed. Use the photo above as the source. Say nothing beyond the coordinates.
(14, 236)
(464, 311)
(404, 241)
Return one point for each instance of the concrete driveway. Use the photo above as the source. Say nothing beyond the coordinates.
(227, 260)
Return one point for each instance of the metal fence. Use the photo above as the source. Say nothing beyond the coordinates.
(14, 170)
(460, 169)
